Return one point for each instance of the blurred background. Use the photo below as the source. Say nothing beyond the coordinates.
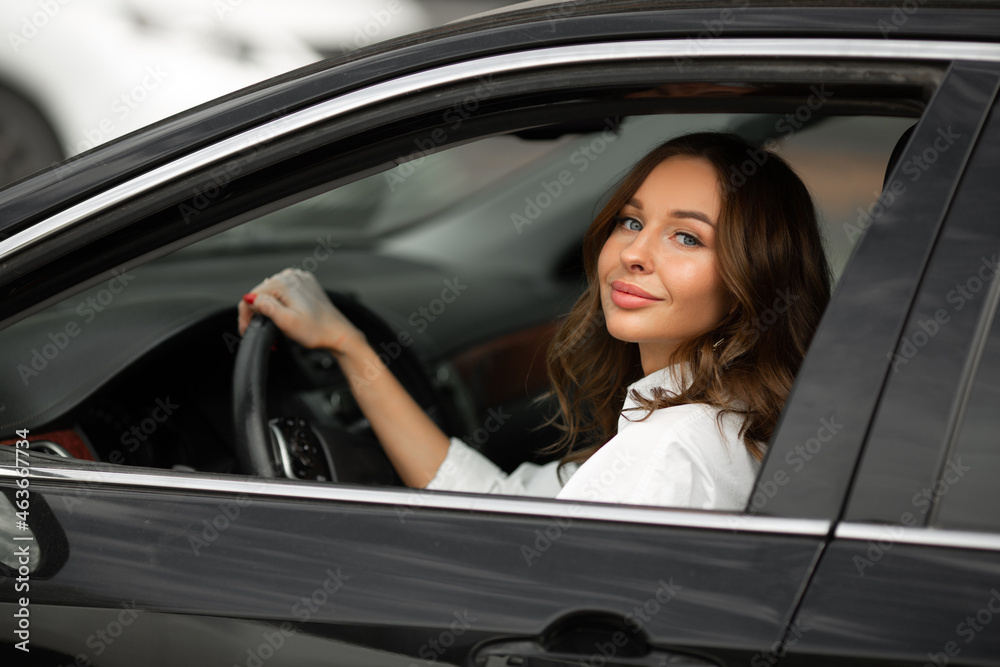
(78, 73)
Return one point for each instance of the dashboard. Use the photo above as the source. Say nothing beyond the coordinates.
(143, 376)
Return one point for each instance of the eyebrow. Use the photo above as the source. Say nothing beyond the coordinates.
(677, 213)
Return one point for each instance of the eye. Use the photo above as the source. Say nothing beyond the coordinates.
(689, 240)
(629, 223)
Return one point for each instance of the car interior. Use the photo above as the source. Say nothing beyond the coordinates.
(452, 238)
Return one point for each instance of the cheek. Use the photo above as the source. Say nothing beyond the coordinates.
(607, 260)
(719, 296)
(697, 282)
(690, 276)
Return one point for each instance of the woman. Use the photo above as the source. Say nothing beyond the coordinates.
(706, 279)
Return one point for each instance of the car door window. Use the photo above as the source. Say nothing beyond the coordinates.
(545, 187)
(846, 370)
(513, 221)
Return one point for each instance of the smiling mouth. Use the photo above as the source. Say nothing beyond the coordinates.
(624, 295)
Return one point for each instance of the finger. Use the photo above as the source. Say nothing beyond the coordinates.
(265, 285)
(273, 285)
(286, 318)
(244, 312)
(288, 282)
(243, 316)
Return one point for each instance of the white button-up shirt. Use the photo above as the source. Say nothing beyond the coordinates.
(681, 456)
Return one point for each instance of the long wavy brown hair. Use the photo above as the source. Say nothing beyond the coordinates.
(771, 262)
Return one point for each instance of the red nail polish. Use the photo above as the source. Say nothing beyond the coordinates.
(249, 298)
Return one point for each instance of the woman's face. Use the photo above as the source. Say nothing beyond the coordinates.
(658, 270)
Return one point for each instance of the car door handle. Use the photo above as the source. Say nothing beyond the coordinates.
(528, 653)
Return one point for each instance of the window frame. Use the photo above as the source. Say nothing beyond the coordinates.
(904, 458)
(303, 127)
(848, 362)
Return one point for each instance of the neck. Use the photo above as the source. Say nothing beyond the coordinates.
(655, 356)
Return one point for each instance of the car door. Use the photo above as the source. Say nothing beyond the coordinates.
(163, 567)
(912, 574)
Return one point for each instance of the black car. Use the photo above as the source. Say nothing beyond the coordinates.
(174, 494)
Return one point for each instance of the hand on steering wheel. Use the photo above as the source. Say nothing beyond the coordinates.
(287, 445)
(294, 300)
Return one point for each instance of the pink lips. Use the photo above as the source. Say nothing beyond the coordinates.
(629, 296)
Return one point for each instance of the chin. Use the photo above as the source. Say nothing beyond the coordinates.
(627, 334)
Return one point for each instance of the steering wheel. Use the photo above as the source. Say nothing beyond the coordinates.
(301, 448)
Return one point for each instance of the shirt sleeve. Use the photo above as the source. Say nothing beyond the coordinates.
(465, 469)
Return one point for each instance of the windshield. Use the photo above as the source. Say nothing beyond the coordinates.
(370, 208)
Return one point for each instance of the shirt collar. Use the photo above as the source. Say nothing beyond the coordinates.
(670, 378)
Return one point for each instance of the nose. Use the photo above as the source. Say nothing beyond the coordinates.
(636, 255)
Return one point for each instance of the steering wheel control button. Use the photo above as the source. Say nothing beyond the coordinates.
(298, 447)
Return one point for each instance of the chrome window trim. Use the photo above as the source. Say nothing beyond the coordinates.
(402, 500)
(931, 537)
(524, 60)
